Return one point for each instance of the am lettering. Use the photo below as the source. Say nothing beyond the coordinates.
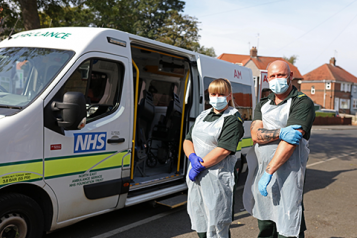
(237, 74)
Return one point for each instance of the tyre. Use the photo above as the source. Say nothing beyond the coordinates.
(20, 216)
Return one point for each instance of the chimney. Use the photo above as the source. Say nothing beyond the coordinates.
(333, 61)
(253, 52)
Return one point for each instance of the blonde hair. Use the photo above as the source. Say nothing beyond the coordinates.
(221, 86)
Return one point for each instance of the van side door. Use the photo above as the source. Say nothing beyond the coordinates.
(84, 167)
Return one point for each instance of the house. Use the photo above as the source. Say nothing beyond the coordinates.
(257, 63)
(332, 87)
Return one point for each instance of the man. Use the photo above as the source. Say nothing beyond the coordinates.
(280, 130)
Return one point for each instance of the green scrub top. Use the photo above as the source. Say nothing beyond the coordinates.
(232, 130)
(302, 111)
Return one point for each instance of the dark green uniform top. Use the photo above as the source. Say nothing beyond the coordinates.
(302, 111)
(232, 130)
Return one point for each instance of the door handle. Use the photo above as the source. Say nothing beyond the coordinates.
(119, 140)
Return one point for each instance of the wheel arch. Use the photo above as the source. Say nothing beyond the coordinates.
(39, 195)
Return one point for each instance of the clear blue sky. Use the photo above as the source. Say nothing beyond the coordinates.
(314, 30)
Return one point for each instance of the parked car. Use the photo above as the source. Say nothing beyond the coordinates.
(317, 107)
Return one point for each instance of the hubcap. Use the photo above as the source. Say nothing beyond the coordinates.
(13, 226)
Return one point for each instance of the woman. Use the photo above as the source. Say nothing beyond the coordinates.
(210, 146)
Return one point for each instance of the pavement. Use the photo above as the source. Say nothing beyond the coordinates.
(334, 127)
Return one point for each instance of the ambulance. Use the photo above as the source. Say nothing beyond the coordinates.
(92, 120)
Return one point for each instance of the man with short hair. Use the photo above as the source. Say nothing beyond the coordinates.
(280, 130)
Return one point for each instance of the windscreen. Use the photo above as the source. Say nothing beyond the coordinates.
(26, 72)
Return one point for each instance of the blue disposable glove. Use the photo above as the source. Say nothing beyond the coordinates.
(197, 167)
(193, 174)
(195, 161)
(290, 134)
(263, 183)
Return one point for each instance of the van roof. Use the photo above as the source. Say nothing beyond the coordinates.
(84, 39)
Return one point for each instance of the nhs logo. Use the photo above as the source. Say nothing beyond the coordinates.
(87, 142)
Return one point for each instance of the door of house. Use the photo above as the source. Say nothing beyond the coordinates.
(337, 103)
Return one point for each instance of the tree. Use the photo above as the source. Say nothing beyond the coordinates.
(292, 59)
(8, 19)
(182, 31)
(29, 14)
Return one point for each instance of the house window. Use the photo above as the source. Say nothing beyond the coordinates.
(342, 86)
(312, 89)
(355, 88)
(328, 86)
(344, 103)
(354, 106)
(347, 87)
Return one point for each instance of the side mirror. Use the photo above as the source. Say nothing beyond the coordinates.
(73, 111)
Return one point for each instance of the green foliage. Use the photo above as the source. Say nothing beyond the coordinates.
(292, 59)
(325, 114)
(8, 18)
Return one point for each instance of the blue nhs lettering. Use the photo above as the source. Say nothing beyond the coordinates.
(86, 142)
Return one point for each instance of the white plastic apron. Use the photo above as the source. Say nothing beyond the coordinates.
(285, 190)
(210, 197)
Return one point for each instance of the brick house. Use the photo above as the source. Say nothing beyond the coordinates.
(257, 63)
(331, 86)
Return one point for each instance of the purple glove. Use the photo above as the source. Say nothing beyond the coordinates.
(197, 167)
(195, 162)
(193, 174)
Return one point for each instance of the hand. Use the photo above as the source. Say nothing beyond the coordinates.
(193, 174)
(290, 134)
(263, 183)
(195, 162)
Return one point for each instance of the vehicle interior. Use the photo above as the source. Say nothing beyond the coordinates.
(160, 96)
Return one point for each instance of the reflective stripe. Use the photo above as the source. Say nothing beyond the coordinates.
(66, 166)
(245, 142)
(29, 171)
(21, 171)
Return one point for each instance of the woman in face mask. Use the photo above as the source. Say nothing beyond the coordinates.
(210, 146)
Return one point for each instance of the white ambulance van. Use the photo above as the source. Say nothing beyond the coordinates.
(92, 120)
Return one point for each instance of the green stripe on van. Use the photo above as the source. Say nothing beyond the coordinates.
(244, 143)
(71, 165)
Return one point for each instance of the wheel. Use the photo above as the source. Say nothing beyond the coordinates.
(151, 162)
(20, 216)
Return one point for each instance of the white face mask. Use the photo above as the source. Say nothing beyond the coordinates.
(279, 85)
(218, 102)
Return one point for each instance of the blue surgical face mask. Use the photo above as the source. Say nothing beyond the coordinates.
(218, 102)
(279, 85)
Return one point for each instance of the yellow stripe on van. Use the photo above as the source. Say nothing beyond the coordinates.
(244, 143)
(71, 165)
(24, 171)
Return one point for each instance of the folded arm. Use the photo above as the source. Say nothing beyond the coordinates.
(282, 154)
(261, 135)
(215, 156)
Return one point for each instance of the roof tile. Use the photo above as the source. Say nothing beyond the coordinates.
(261, 62)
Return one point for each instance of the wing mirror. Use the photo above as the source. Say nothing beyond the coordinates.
(72, 110)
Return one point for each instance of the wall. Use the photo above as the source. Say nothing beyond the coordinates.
(332, 121)
(329, 101)
(318, 97)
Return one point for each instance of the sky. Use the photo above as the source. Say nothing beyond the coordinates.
(313, 30)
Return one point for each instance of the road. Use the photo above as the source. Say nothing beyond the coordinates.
(329, 199)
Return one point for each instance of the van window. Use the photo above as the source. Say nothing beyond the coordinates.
(26, 72)
(100, 81)
(242, 96)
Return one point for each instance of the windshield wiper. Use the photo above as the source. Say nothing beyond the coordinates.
(11, 107)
